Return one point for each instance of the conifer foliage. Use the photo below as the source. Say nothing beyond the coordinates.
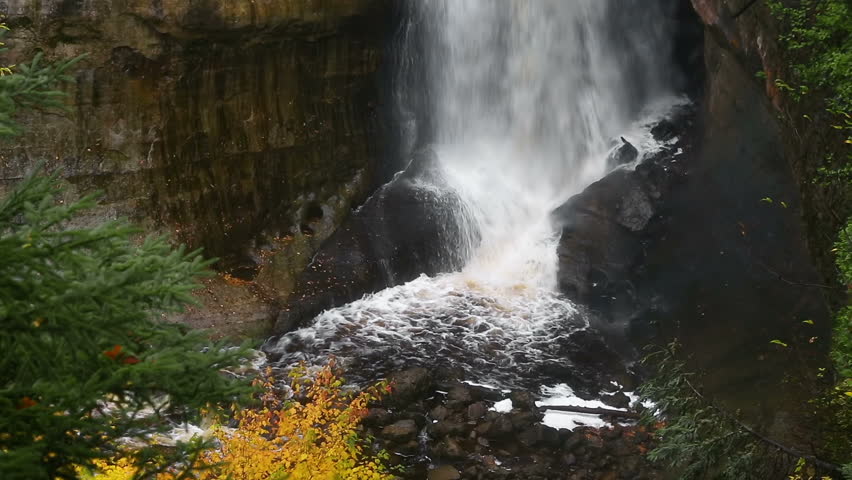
(83, 360)
(86, 367)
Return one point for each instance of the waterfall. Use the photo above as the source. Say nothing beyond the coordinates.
(526, 99)
(521, 101)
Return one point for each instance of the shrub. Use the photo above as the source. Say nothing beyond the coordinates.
(314, 435)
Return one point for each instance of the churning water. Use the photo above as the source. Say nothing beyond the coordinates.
(525, 99)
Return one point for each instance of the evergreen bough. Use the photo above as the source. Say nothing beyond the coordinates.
(85, 361)
(87, 369)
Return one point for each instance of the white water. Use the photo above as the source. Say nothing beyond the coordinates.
(527, 97)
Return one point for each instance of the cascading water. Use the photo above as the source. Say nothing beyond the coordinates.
(524, 99)
(528, 97)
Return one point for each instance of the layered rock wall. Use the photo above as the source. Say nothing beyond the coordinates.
(244, 127)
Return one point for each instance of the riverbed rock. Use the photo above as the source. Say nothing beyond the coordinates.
(477, 410)
(408, 385)
(444, 472)
(522, 400)
(400, 431)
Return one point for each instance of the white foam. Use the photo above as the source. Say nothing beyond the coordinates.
(445, 320)
(503, 406)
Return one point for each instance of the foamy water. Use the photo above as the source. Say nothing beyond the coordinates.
(447, 321)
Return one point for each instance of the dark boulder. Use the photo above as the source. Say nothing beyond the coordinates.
(605, 230)
(399, 233)
(407, 386)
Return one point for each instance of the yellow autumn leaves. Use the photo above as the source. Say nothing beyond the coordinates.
(312, 437)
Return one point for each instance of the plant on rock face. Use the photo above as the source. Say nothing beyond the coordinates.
(30, 86)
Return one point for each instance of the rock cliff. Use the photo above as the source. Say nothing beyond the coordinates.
(711, 247)
(747, 36)
(246, 128)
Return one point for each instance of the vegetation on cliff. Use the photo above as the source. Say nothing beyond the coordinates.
(818, 34)
(818, 38)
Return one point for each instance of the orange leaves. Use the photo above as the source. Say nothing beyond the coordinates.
(26, 402)
(115, 353)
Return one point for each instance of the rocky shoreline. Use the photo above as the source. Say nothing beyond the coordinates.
(436, 427)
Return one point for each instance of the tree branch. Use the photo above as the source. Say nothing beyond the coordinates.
(596, 411)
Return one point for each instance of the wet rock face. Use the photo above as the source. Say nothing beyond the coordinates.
(225, 123)
(744, 38)
(625, 153)
(606, 227)
(683, 247)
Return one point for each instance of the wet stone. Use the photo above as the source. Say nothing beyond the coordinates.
(377, 416)
(521, 420)
(459, 395)
(522, 400)
(476, 411)
(664, 131)
(574, 442)
(444, 472)
(539, 435)
(451, 447)
(439, 413)
(448, 426)
(617, 400)
(400, 431)
(409, 385)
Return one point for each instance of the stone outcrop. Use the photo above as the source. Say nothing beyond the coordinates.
(246, 128)
(606, 231)
(718, 257)
(744, 38)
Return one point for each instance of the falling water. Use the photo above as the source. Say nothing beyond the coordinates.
(529, 95)
(521, 100)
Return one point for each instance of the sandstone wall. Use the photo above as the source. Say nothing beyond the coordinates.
(244, 127)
